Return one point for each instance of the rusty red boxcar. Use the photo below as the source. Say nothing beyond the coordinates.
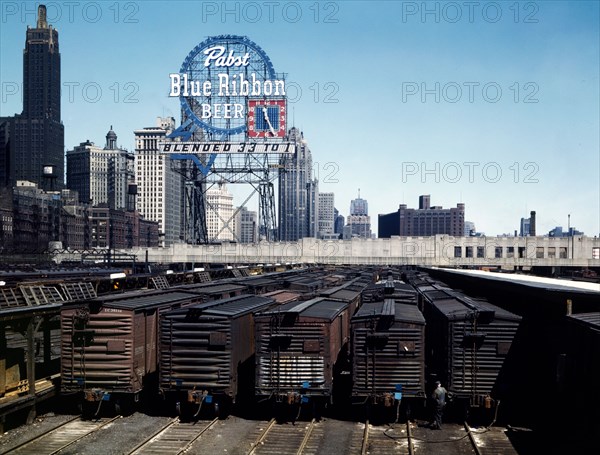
(207, 353)
(109, 345)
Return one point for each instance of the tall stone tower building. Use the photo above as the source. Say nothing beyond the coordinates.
(297, 192)
(37, 135)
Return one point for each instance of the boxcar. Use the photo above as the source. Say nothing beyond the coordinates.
(388, 353)
(467, 343)
(297, 347)
(109, 345)
(207, 353)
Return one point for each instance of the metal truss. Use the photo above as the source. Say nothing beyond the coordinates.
(257, 170)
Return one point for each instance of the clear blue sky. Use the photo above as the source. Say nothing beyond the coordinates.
(413, 102)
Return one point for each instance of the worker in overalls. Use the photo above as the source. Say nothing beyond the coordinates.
(439, 403)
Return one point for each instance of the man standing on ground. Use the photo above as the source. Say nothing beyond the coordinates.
(439, 402)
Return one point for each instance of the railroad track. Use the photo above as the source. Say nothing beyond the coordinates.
(387, 440)
(174, 438)
(453, 440)
(61, 437)
(489, 441)
(285, 439)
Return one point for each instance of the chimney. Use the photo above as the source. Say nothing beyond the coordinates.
(532, 224)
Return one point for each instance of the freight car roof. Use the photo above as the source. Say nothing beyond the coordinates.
(282, 296)
(233, 306)
(402, 312)
(397, 284)
(460, 307)
(590, 319)
(334, 289)
(319, 308)
(242, 304)
(344, 294)
(306, 279)
(119, 296)
(432, 293)
(142, 300)
(259, 281)
(203, 288)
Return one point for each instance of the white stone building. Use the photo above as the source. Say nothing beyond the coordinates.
(326, 213)
(159, 187)
(220, 222)
(101, 175)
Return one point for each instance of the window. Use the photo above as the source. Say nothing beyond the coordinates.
(539, 252)
(469, 252)
(480, 252)
(498, 252)
(457, 251)
(551, 252)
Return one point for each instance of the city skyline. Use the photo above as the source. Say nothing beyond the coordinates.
(422, 147)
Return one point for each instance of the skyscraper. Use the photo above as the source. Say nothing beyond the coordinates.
(359, 220)
(246, 225)
(469, 228)
(339, 223)
(359, 206)
(326, 211)
(159, 187)
(5, 123)
(37, 135)
(297, 192)
(524, 227)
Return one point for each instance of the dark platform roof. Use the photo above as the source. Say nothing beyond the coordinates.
(8, 314)
(551, 284)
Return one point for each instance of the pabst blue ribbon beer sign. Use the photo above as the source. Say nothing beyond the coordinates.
(227, 86)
